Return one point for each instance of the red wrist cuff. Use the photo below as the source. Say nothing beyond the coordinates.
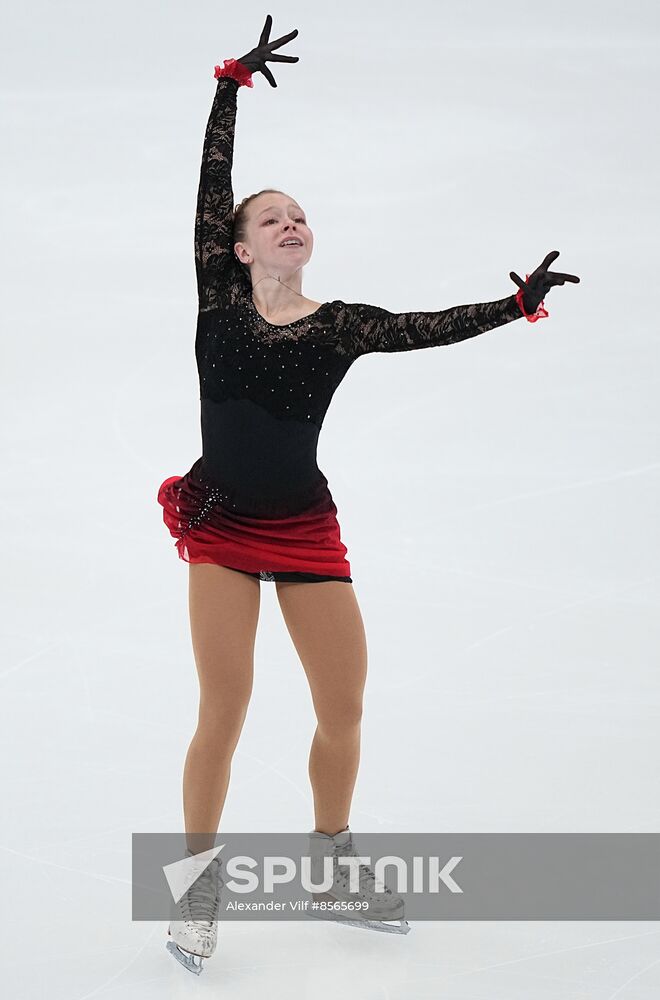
(236, 70)
(540, 313)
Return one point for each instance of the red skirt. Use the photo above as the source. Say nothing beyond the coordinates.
(304, 546)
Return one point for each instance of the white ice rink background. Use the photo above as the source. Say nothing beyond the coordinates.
(498, 497)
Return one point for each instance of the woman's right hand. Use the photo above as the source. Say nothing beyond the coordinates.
(256, 58)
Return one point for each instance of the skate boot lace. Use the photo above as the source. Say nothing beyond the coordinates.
(200, 903)
(367, 877)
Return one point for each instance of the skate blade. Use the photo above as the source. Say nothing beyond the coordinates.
(186, 959)
(384, 926)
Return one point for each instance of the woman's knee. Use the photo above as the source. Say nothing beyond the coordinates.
(339, 718)
(220, 724)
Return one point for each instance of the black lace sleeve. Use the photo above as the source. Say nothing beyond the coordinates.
(373, 329)
(214, 221)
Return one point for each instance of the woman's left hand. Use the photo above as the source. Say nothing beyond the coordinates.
(255, 59)
(541, 281)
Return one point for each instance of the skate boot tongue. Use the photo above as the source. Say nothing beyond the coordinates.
(342, 837)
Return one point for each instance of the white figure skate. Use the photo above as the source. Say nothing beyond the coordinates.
(384, 907)
(195, 936)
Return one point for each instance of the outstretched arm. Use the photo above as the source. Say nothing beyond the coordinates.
(373, 329)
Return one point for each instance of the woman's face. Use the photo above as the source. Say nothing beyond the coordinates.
(273, 219)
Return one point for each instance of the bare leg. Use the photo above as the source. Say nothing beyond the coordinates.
(325, 624)
(224, 611)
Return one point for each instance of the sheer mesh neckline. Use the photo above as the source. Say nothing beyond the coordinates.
(283, 326)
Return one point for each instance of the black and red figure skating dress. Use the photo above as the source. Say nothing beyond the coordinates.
(255, 500)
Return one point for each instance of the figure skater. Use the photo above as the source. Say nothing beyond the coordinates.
(256, 507)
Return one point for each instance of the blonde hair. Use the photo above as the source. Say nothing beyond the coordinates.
(241, 221)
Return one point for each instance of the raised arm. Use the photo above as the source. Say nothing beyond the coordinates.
(215, 262)
(214, 220)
